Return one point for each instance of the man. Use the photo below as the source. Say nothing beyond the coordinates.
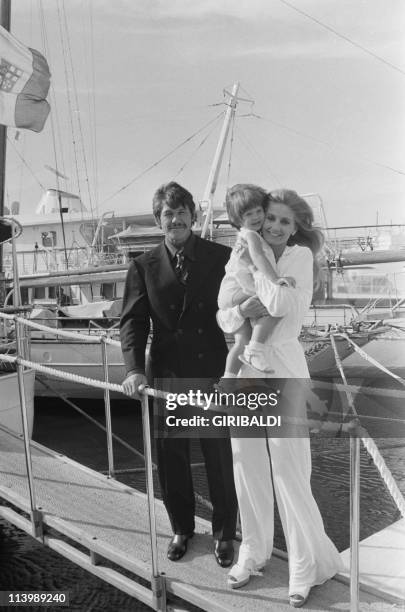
(176, 286)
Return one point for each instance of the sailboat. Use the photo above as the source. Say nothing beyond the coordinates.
(99, 288)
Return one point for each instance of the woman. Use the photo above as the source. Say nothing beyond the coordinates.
(282, 464)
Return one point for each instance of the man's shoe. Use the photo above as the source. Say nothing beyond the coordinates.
(178, 546)
(224, 552)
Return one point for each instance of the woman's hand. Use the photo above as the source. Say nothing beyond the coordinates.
(252, 308)
(286, 281)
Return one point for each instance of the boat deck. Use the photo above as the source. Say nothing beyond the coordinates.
(103, 526)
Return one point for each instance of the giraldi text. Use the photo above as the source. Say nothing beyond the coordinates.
(225, 420)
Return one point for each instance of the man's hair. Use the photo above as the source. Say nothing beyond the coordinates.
(243, 197)
(173, 195)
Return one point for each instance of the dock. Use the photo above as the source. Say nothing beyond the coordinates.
(103, 526)
(382, 561)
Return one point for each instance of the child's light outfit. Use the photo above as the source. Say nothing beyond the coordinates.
(238, 276)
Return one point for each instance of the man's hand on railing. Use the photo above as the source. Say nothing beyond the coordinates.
(131, 384)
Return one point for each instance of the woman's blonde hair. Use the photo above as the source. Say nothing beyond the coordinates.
(306, 234)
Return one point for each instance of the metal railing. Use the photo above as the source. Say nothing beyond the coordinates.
(158, 579)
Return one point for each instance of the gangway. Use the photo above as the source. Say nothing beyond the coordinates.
(96, 522)
(110, 520)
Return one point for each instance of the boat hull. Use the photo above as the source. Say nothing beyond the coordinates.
(10, 410)
(86, 360)
(78, 358)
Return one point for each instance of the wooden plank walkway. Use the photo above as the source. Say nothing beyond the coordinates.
(110, 520)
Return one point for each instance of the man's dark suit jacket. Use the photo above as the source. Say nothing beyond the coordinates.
(187, 342)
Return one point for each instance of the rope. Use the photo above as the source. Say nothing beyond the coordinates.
(138, 176)
(89, 418)
(105, 338)
(25, 163)
(368, 443)
(78, 115)
(110, 341)
(83, 380)
(66, 334)
(343, 36)
(254, 152)
(348, 392)
(312, 424)
(373, 361)
(204, 140)
(133, 450)
(69, 99)
(156, 393)
(54, 115)
(92, 383)
(92, 109)
(386, 475)
(334, 147)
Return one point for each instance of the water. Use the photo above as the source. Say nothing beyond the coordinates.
(26, 565)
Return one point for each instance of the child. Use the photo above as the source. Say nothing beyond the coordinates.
(246, 205)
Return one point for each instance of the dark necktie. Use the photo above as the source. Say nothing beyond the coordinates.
(180, 267)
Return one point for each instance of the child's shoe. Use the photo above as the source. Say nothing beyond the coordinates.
(256, 359)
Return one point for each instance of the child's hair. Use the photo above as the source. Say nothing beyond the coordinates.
(306, 234)
(243, 197)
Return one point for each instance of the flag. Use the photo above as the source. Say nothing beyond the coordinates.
(24, 85)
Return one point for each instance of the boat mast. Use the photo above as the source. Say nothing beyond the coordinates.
(5, 10)
(211, 186)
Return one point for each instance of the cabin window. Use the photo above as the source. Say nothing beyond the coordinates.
(24, 295)
(38, 293)
(48, 239)
(108, 291)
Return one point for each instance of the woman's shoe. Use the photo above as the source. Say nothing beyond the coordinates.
(297, 600)
(240, 575)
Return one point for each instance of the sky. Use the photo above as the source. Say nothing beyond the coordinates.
(135, 78)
